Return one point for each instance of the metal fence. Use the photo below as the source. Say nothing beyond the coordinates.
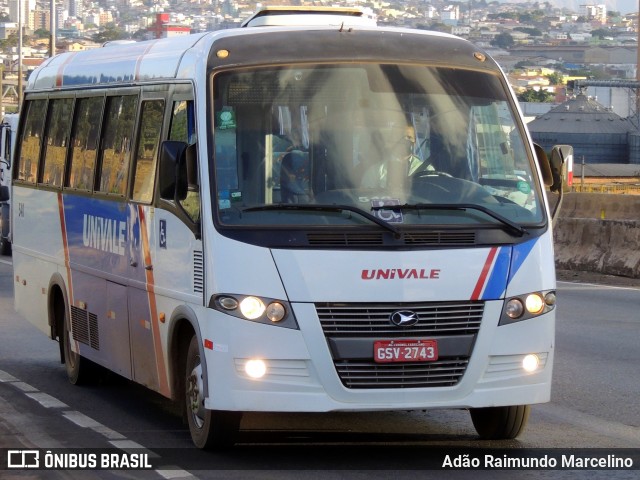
(631, 189)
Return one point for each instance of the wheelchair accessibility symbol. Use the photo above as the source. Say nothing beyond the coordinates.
(389, 215)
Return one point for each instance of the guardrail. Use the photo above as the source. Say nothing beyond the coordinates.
(633, 189)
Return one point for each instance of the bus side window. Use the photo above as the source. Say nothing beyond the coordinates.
(32, 140)
(86, 133)
(55, 141)
(183, 129)
(151, 115)
(116, 143)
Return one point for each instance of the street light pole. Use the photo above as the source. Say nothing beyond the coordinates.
(20, 7)
(52, 41)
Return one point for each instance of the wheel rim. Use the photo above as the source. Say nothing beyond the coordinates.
(194, 395)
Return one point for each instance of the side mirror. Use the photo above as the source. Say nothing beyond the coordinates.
(545, 166)
(561, 167)
(557, 174)
(172, 181)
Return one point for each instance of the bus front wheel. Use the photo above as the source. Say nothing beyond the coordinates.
(210, 429)
(500, 423)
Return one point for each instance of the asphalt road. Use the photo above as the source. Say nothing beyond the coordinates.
(594, 405)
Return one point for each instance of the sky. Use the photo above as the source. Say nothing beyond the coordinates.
(622, 6)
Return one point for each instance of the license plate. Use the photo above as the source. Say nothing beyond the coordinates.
(388, 351)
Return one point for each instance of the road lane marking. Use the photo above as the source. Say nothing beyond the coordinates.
(584, 286)
(46, 400)
(116, 439)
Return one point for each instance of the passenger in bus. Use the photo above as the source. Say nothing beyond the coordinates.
(295, 177)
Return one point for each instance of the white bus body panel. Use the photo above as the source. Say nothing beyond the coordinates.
(301, 375)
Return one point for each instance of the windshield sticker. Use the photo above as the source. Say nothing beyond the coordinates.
(224, 200)
(389, 215)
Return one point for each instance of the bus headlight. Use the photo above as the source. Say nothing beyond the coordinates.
(514, 308)
(252, 307)
(527, 306)
(534, 303)
(258, 309)
(275, 311)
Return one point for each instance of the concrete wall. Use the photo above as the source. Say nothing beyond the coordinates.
(599, 233)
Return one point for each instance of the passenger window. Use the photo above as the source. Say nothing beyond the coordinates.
(151, 117)
(56, 138)
(116, 143)
(85, 142)
(183, 129)
(32, 141)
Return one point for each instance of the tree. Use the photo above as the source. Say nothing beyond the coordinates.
(42, 33)
(503, 40)
(537, 96)
(109, 34)
(555, 78)
(534, 32)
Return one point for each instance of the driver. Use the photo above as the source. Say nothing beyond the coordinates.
(400, 157)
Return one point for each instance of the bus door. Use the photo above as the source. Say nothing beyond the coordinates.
(167, 261)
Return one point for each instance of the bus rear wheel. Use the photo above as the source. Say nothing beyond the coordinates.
(500, 423)
(210, 429)
(76, 366)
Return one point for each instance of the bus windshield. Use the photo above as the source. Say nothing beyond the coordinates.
(408, 144)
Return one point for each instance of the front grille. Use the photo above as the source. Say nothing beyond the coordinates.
(414, 239)
(442, 373)
(345, 239)
(349, 326)
(372, 320)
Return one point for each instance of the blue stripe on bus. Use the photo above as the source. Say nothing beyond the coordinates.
(497, 283)
(520, 254)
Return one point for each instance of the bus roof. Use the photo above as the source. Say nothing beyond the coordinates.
(307, 15)
(130, 62)
(175, 57)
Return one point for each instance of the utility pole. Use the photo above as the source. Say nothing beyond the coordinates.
(52, 41)
(20, 7)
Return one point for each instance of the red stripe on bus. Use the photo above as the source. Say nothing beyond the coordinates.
(484, 274)
(163, 382)
(60, 72)
(139, 61)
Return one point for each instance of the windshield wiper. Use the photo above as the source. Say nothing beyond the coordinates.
(326, 208)
(508, 225)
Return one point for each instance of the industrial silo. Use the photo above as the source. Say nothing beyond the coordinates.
(596, 133)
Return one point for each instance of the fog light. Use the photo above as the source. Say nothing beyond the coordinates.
(530, 363)
(255, 368)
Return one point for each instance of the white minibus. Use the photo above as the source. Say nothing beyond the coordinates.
(290, 218)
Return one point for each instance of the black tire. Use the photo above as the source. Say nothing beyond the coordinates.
(76, 366)
(500, 423)
(210, 429)
(5, 246)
